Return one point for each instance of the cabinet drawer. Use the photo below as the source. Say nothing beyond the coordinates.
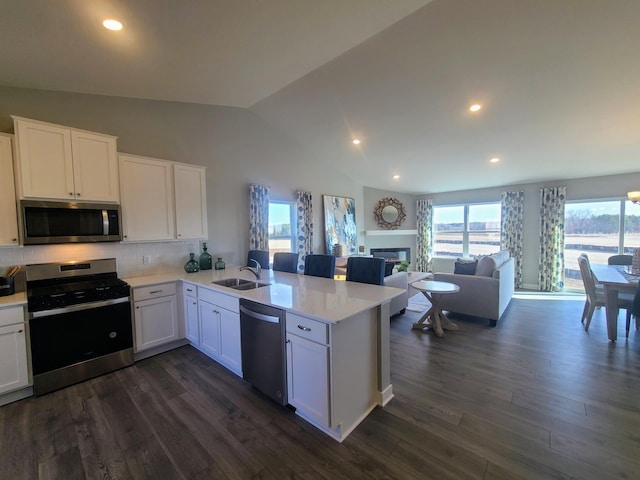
(155, 291)
(220, 299)
(12, 315)
(306, 328)
(189, 290)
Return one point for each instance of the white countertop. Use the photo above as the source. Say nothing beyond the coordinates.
(323, 299)
(15, 299)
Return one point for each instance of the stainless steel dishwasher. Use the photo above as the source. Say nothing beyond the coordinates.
(263, 336)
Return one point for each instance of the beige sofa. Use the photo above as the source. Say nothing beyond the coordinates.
(485, 294)
(398, 280)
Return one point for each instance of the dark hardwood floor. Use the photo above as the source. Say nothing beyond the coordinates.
(535, 397)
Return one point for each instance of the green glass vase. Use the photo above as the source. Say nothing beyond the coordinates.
(192, 265)
(205, 258)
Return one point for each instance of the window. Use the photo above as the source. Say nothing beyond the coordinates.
(282, 227)
(466, 230)
(600, 229)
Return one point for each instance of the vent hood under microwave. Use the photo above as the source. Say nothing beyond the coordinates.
(69, 222)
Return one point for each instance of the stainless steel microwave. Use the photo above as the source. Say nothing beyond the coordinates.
(69, 222)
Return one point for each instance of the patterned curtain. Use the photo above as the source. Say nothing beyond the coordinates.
(424, 239)
(258, 217)
(512, 229)
(551, 278)
(305, 227)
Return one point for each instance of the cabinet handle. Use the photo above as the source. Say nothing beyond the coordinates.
(14, 239)
(20, 331)
(304, 329)
(155, 291)
(189, 290)
(195, 303)
(77, 194)
(71, 194)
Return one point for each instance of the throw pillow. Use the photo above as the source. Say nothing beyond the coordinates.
(465, 268)
(486, 266)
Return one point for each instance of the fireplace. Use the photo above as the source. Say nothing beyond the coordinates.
(392, 255)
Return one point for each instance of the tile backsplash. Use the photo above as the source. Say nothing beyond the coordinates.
(163, 256)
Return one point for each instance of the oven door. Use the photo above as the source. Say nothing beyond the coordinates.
(82, 340)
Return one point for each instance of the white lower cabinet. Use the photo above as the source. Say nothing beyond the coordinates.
(308, 368)
(190, 310)
(155, 315)
(14, 369)
(219, 319)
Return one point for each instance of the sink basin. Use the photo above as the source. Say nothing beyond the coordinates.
(250, 286)
(239, 283)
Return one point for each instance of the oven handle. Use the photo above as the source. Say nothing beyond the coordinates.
(77, 308)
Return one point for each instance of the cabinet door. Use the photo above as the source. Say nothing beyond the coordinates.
(13, 358)
(95, 166)
(192, 325)
(156, 322)
(44, 160)
(209, 329)
(308, 378)
(230, 348)
(8, 212)
(146, 198)
(191, 202)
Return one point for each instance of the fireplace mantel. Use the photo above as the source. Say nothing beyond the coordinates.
(391, 232)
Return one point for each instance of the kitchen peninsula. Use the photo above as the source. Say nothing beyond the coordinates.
(338, 360)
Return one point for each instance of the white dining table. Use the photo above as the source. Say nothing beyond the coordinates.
(614, 279)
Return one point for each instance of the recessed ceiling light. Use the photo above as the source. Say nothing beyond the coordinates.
(494, 160)
(475, 107)
(111, 24)
(396, 177)
(356, 141)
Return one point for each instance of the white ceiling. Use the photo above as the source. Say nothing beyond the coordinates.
(558, 79)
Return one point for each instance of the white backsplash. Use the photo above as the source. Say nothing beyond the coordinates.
(163, 256)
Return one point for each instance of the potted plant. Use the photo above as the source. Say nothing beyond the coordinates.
(403, 266)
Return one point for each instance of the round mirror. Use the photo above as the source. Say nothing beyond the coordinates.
(389, 213)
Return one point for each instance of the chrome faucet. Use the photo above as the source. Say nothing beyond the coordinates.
(257, 270)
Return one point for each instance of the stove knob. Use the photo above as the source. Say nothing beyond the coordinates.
(113, 335)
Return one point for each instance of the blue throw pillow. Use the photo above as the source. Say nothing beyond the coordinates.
(465, 268)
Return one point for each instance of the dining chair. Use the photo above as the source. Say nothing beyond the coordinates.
(366, 270)
(620, 259)
(285, 262)
(260, 256)
(596, 297)
(319, 265)
(635, 309)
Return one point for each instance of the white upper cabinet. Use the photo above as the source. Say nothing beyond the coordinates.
(8, 212)
(162, 200)
(61, 163)
(147, 199)
(191, 201)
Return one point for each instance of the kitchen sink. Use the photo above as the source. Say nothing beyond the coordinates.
(239, 283)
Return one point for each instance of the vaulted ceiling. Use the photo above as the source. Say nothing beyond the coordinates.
(557, 81)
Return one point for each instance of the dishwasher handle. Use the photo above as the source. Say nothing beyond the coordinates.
(259, 316)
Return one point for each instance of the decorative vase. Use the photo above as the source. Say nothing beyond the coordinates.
(205, 258)
(219, 264)
(635, 262)
(192, 265)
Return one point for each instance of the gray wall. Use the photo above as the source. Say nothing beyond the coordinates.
(235, 145)
(390, 239)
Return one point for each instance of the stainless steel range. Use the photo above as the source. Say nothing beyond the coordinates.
(79, 321)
